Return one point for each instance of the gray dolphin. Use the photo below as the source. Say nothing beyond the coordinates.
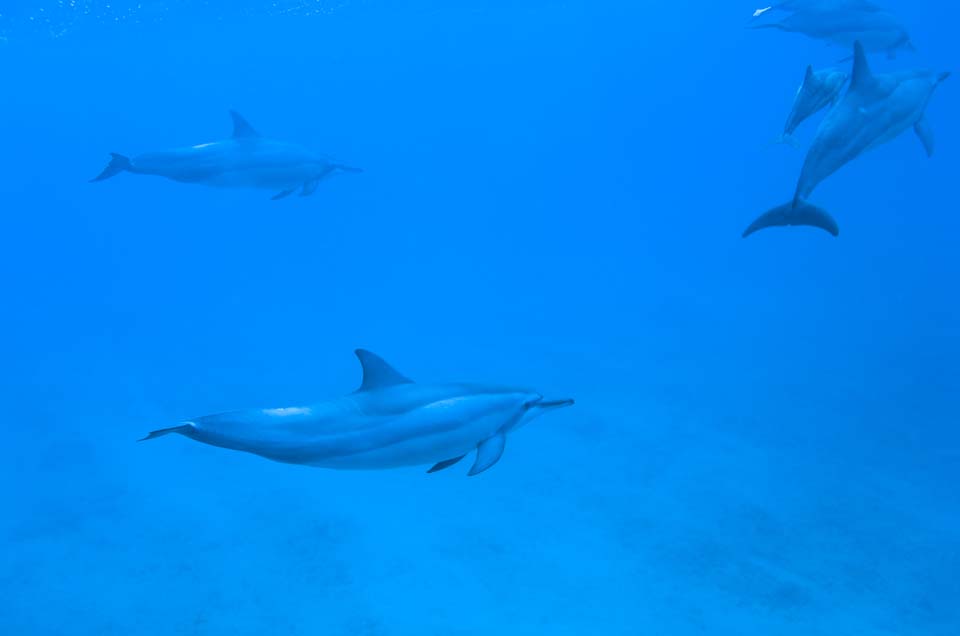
(874, 110)
(876, 30)
(245, 160)
(818, 5)
(389, 421)
(818, 90)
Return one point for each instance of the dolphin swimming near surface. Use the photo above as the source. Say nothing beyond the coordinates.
(818, 90)
(818, 5)
(389, 421)
(245, 160)
(874, 110)
(876, 30)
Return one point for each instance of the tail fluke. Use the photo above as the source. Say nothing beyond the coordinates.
(165, 431)
(343, 168)
(802, 213)
(118, 164)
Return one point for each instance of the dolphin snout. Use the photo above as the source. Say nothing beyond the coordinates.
(549, 404)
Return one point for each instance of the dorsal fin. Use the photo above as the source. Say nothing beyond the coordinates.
(241, 128)
(861, 79)
(808, 76)
(377, 374)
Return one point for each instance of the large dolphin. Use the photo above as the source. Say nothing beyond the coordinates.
(245, 160)
(389, 421)
(874, 110)
(818, 90)
(876, 30)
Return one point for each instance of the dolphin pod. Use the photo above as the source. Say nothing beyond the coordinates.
(245, 160)
(389, 421)
(875, 109)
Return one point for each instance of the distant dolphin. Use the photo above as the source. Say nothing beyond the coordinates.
(388, 422)
(818, 5)
(875, 30)
(245, 160)
(818, 90)
(875, 109)
(787, 214)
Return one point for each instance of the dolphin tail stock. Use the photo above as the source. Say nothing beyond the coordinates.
(797, 212)
(118, 163)
(165, 431)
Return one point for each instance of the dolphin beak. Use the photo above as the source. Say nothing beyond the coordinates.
(553, 404)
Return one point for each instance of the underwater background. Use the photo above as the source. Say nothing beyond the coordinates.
(766, 435)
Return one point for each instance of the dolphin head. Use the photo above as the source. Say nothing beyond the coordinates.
(535, 405)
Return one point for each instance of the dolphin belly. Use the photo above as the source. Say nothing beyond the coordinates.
(260, 177)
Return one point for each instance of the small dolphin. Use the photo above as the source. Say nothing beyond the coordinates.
(388, 422)
(875, 30)
(245, 160)
(818, 90)
(875, 109)
(785, 215)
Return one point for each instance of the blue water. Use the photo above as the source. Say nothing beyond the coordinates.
(766, 435)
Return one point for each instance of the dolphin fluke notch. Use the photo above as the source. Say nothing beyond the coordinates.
(788, 214)
(241, 127)
(118, 163)
(377, 373)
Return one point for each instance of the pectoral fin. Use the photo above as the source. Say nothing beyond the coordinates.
(447, 463)
(309, 187)
(281, 195)
(488, 453)
(925, 133)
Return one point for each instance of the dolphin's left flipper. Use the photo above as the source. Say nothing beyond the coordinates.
(925, 133)
(488, 453)
(447, 463)
(283, 194)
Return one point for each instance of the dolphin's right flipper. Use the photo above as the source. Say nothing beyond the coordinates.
(489, 453)
(283, 194)
(447, 463)
(925, 133)
(787, 214)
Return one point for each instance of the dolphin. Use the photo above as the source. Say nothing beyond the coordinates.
(818, 5)
(874, 110)
(818, 90)
(244, 160)
(388, 422)
(875, 30)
